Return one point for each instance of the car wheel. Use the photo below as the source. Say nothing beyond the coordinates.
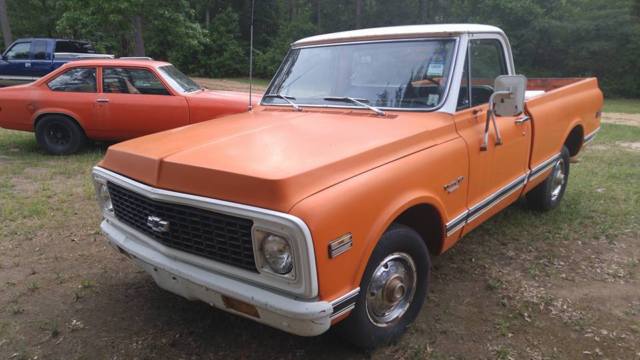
(59, 135)
(548, 194)
(392, 290)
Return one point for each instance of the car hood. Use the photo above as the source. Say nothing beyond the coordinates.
(274, 157)
(223, 94)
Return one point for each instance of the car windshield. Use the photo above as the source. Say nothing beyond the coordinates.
(179, 81)
(411, 74)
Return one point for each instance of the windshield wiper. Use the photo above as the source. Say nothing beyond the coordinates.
(285, 98)
(360, 102)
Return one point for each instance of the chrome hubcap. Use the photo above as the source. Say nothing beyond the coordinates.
(557, 180)
(391, 289)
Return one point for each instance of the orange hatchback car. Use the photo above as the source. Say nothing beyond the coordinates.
(110, 100)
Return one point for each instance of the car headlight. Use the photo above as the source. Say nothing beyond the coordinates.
(104, 198)
(277, 253)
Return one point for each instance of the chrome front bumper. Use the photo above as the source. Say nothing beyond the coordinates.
(304, 318)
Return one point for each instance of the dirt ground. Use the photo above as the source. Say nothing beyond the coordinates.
(622, 119)
(560, 285)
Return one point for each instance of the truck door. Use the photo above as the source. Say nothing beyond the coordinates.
(41, 57)
(16, 61)
(496, 175)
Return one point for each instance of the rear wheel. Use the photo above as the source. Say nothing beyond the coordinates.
(392, 290)
(59, 135)
(548, 194)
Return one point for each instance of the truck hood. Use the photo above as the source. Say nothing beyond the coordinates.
(273, 158)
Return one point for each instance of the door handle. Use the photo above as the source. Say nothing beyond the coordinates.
(103, 101)
(27, 65)
(522, 120)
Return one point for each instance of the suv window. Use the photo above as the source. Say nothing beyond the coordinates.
(487, 63)
(75, 80)
(19, 51)
(131, 81)
(40, 50)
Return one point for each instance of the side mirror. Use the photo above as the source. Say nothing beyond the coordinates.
(507, 100)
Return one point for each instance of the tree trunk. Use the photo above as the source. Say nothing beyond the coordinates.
(359, 8)
(318, 9)
(4, 22)
(424, 11)
(292, 9)
(207, 17)
(139, 40)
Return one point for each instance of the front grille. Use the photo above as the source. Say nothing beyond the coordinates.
(215, 236)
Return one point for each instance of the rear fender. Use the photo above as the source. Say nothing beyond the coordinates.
(55, 111)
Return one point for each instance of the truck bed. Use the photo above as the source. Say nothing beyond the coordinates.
(559, 106)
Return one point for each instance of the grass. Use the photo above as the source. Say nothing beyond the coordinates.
(259, 82)
(627, 106)
(37, 189)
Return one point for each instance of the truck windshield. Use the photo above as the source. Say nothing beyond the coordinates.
(179, 81)
(411, 74)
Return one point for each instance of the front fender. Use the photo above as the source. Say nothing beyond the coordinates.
(367, 204)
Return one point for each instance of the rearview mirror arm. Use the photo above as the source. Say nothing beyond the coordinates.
(491, 118)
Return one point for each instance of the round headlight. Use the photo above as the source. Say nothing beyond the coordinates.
(277, 253)
(104, 198)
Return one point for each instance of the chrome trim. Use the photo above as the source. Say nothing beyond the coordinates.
(305, 285)
(589, 138)
(522, 120)
(340, 245)
(543, 166)
(443, 101)
(484, 205)
(495, 198)
(345, 303)
(343, 311)
(458, 222)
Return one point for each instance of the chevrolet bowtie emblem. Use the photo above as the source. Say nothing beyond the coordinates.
(157, 224)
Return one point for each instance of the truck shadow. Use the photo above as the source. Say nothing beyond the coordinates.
(142, 320)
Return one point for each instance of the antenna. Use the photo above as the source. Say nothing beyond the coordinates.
(253, 3)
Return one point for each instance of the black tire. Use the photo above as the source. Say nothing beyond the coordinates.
(359, 327)
(548, 194)
(59, 135)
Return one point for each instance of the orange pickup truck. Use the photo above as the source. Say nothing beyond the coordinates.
(371, 151)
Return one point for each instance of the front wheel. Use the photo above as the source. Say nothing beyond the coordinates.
(548, 194)
(392, 290)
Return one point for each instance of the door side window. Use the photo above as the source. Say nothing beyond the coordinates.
(40, 50)
(19, 51)
(75, 80)
(487, 63)
(131, 81)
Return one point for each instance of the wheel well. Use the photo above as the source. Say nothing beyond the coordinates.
(426, 221)
(574, 140)
(41, 116)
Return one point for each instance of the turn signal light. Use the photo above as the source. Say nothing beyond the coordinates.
(240, 306)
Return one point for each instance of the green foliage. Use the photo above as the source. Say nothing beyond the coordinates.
(224, 53)
(211, 37)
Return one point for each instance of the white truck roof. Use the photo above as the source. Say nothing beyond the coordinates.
(396, 32)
